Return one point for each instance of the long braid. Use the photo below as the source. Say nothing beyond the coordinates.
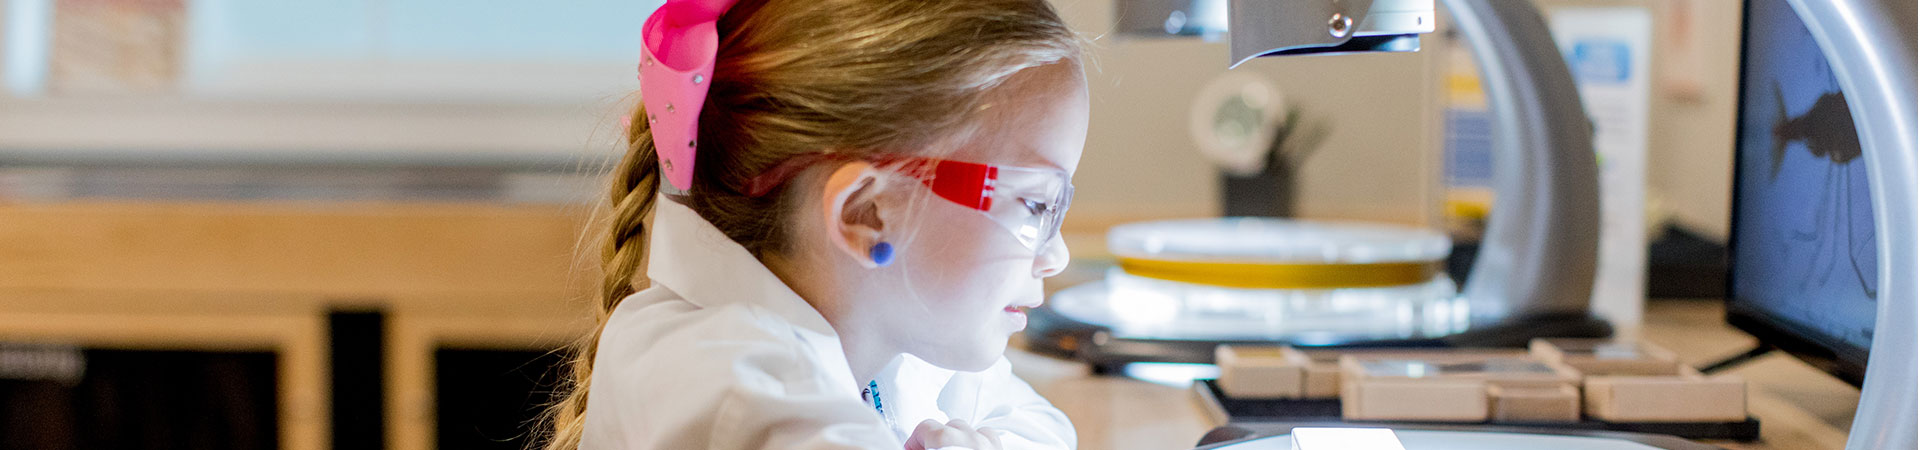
(634, 185)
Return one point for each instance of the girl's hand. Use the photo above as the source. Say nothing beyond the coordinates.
(931, 435)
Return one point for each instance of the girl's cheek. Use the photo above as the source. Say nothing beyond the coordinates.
(970, 257)
(947, 251)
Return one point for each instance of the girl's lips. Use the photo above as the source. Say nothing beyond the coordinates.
(1016, 317)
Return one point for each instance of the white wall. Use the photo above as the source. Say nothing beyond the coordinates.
(1379, 161)
(1691, 150)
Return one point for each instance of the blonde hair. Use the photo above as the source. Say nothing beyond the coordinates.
(793, 77)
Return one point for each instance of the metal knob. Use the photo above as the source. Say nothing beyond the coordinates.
(1339, 25)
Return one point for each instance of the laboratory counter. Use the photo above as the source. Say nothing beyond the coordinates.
(1799, 407)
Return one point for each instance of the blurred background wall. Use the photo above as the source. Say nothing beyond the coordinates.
(524, 85)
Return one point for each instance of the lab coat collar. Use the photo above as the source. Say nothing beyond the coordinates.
(692, 258)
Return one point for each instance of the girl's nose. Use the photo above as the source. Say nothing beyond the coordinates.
(1053, 260)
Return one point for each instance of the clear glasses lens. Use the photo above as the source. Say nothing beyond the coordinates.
(1030, 203)
(1027, 202)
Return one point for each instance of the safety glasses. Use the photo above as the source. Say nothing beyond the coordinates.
(1028, 202)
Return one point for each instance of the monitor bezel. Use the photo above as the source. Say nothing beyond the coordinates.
(1830, 355)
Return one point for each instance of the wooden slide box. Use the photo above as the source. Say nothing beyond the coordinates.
(1682, 396)
(1439, 387)
(1454, 400)
(1261, 372)
(1534, 405)
(1323, 380)
(1265, 372)
(1606, 357)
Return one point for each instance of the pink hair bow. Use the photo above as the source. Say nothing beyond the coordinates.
(679, 44)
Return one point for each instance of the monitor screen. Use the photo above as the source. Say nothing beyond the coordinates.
(1805, 265)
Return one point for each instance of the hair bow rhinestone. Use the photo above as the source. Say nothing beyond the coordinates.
(679, 45)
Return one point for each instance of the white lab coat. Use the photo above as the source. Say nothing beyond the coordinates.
(720, 354)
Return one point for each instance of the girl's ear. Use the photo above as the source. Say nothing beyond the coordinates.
(850, 202)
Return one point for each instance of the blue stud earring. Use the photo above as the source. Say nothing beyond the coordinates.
(882, 253)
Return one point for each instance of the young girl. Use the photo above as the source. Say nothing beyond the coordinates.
(853, 202)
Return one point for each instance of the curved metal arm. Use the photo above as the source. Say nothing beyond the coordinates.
(1870, 45)
(1542, 238)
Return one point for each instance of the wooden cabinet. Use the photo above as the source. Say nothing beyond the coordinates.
(263, 277)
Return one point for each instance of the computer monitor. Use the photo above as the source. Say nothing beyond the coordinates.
(1804, 268)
